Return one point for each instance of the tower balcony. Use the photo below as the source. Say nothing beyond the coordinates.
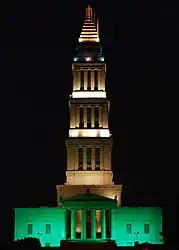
(89, 133)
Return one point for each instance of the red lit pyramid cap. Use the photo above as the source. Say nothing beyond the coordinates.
(89, 32)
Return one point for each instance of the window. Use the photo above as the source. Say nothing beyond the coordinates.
(89, 80)
(80, 158)
(82, 80)
(88, 117)
(129, 228)
(88, 158)
(95, 80)
(30, 229)
(48, 229)
(97, 158)
(96, 117)
(81, 118)
(146, 228)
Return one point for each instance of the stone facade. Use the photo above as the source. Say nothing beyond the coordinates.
(71, 222)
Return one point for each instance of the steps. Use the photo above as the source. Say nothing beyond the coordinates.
(85, 245)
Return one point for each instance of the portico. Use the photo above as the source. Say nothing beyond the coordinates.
(89, 217)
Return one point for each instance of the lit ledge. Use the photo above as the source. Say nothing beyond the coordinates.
(89, 94)
(88, 39)
(89, 133)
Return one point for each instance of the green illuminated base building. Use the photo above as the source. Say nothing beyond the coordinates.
(89, 203)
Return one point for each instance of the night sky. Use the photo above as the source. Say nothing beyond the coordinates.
(140, 45)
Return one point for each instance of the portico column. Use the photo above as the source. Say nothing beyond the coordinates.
(113, 224)
(83, 224)
(93, 224)
(103, 224)
(73, 224)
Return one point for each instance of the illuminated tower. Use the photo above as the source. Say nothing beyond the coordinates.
(89, 145)
(89, 201)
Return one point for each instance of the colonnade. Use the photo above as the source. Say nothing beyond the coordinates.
(102, 116)
(92, 159)
(93, 226)
(100, 79)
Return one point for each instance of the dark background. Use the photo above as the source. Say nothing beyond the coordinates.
(140, 44)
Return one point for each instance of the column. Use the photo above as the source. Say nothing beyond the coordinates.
(93, 224)
(92, 117)
(92, 80)
(83, 224)
(84, 158)
(113, 224)
(72, 116)
(107, 157)
(103, 224)
(77, 116)
(85, 79)
(93, 158)
(73, 224)
(105, 116)
(76, 158)
(103, 79)
(100, 117)
(101, 159)
(74, 80)
(77, 120)
(99, 80)
(78, 80)
(85, 116)
(70, 157)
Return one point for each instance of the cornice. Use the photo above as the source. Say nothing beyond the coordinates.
(89, 141)
(89, 186)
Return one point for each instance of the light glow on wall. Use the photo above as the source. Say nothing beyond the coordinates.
(88, 59)
(87, 39)
(89, 133)
(90, 176)
(89, 94)
(102, 59)
(120, 216)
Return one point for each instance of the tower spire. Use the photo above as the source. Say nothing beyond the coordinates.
(94, 18)
(89, 32)
(98, 26)
(89, 13)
